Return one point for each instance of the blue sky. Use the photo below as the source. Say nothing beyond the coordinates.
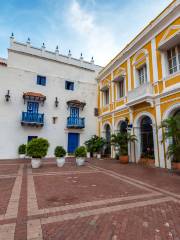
(98, 28)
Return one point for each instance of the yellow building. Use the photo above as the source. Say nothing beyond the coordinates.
(142, 84)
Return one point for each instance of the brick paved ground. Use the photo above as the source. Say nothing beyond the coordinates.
(103, 200)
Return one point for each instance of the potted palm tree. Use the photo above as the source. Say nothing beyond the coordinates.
(22, 151)
(99, 144)
(60, 153)
(80, 154)
(171, 132)
(37, 149)
(121, 140)
(89, 147)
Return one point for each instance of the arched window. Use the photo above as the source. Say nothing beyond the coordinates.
(123, 127)
(147, 143)
(108, 139)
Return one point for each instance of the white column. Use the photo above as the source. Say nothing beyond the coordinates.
(112, 87)
(154, 60)
(129, 74)
(113, 128)
(131, 145)
(159, 133)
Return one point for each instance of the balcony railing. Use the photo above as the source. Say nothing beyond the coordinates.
(142, 93)
(32, 119)
(75, 122)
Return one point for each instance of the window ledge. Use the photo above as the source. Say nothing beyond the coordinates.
(120, 99)
(171, 76)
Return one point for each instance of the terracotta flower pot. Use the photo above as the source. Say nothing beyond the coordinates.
(176, 165)
(151, 162)
(143, 161)
(124, 159)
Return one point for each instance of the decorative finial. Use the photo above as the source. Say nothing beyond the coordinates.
(57, 50)
(92, 60)
(12, 35)
(28, 41)
(69, 53)
(81, 57)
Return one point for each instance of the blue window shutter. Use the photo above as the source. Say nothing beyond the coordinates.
(65, 84)
(44, 81)
(38, 80)
(41, 80)
(72, 86)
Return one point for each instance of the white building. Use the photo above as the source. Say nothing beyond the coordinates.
(45, 94)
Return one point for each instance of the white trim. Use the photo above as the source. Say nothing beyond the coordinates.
(164, 64)
(129, 74)
(137, 133)
(154, 60)
(170, 110)
(118, 122)
(167, 114)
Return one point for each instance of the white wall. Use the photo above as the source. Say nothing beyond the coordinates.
(20, 76)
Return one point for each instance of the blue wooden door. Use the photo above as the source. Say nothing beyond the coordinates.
(73, 142)
(32, 107)
(74, 112)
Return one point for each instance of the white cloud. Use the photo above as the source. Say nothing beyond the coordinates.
(97, 39)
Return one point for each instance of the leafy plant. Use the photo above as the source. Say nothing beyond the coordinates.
(59, 152)
(22, 149)
(121, 140)
(80, 152)
(99, 144)
(171, 131)
(37, 148)
(95, 144)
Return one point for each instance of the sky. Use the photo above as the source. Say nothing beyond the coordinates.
(98, 28)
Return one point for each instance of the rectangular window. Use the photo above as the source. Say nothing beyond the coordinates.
(120, 89)
(142, 74)
(106, 97)
(173, 58)
(178, 51)
(31, 137)
(69, 85)
(41, 80)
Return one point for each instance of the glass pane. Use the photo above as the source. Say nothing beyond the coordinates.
(173, 52)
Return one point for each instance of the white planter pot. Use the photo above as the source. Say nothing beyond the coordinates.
(22, 155)
(36, 162)
(60, 161)
(80, 161)
(98, 155)
(88, 154)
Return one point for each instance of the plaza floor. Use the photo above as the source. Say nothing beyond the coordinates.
(103, 200)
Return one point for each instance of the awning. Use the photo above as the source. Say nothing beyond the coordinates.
(76, 103)
(34, 96)
(171, 42)
(118, 78)
(104, 88)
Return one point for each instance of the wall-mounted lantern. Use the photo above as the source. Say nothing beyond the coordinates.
(56, 102)
(7, 96)
(54, 119)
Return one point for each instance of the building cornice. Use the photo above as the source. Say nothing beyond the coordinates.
(146, 35)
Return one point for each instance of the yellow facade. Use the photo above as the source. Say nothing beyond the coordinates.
(140, 82)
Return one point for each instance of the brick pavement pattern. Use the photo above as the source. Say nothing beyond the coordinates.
(102, 200)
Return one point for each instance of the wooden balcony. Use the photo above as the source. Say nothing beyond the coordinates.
(75, 122)
(32, 119)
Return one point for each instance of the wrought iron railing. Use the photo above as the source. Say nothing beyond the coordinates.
(28, 117)
(75, 122)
